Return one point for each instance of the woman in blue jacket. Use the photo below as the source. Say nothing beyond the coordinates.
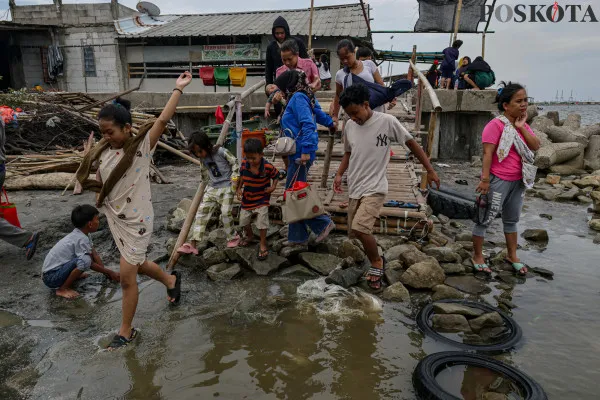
(301, 116)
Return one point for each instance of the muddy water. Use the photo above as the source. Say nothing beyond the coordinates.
(274, 338)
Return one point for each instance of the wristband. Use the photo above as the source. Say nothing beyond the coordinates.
(180, 91)
(485, 180)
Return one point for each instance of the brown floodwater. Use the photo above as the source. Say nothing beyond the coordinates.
(278, 338)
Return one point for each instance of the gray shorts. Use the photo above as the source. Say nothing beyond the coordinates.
(506, 197)
(262, 217)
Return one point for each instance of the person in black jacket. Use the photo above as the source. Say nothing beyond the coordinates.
(281, 32)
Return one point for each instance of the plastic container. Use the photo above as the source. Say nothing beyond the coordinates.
(257, 134)
(237, 76)
(207, 74)
(222, 76)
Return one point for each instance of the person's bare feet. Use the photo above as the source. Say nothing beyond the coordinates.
(83, 276)
(67, 293)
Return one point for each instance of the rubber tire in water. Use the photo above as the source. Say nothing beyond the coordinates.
(427, 387)
(508, 343)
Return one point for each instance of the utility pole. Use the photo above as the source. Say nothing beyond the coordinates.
(312, 9)
(457, 19)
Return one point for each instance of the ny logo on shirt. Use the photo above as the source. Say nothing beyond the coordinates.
(382, 140)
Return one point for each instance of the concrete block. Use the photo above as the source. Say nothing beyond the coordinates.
(87, 20)
(462, 100)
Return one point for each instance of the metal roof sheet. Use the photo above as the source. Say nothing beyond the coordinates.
(336, 21)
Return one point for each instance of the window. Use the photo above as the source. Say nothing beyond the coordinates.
(89, 63)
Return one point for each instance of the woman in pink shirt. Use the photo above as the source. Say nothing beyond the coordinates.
(291, 61)
(501, 175)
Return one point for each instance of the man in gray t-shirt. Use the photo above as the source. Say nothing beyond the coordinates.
(10, 233)
(368, 137)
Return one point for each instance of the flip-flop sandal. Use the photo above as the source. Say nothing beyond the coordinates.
(344, 204)
(187, 249)
(376, 284)
(121, 341)
(175, 293)
(518, 266)
(462, 182)
(481, 267)
(262, 255)
(32, 246)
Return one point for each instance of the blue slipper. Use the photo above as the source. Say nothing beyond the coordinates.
(32, 246)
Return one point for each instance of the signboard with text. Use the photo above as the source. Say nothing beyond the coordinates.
(231, 52)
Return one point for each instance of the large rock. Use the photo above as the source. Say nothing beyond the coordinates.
(543, 136)
(442, 292)
(573, 121)
(345, 277)
(453, 269)
(396, 292)
(595, 195)
(536, 235)
(444, 255)
(549, 194)
(594, 224)
(217, 238)
(488, 320)
(322, 263)
(568, 195)
(294, 250)
(214, 256)
(590, 130)
(464, 236)
(414, 256)
(588, 181)
(175, 220)
(561, 134)
(438, 238)
(553, 115)
(386, 242)
(248, 257)
(468, 284)
(331, 244)
(556, 153)
(565, 169)
(395, 252)
(298, 271)
(223, 271)
(424, 275)
(393, 271)
(541, 123)
(452, 308)
(348, 249)
(592, 153)
(450, 323)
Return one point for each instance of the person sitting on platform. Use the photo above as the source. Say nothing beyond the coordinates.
(479, 74)
(368, 137)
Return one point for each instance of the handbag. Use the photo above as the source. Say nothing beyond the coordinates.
(285, 145)
(8, 211)
(300, 201)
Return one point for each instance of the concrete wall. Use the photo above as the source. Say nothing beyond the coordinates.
(30, 44)
(462, 100)
(106, 54)
(159, 54)
(68, 14)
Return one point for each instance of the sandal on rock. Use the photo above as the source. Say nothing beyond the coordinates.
(121, 341)
(377, 272)
(262, 255)
(32, 246)
(187, 249)
(481, 267)
(518, 266)
(175, 293)
(233, 242)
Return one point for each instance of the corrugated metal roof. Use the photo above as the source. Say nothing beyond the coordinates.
(141, 23)
(336, 21)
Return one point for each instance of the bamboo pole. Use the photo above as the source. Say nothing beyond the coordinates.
(430, 136)
(434, 99)
(112, 97)
(245, 94)
(189, 219)
(457, 19)
(310, 22)
(325, 175)
(483, 45)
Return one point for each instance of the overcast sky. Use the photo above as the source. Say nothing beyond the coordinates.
(545, 57)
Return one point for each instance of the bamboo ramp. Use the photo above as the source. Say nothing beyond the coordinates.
(403, 186)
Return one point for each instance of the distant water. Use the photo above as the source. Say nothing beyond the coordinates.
(590, 114)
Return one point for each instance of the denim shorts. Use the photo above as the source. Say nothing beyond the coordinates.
(447, 73)
(56, 277)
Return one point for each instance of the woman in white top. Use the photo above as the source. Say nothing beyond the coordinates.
(324, 72)
(367, 70)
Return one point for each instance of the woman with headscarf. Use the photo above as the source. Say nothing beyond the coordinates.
(479, 74)
(299, 120)
(464, 63)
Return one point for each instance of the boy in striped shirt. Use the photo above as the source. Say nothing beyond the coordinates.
(258, 179)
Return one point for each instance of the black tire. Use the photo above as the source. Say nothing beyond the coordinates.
(452, 204)
(427, 387)
(508, 343)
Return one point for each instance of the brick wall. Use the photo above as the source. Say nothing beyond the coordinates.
(107, 61)
(69, 14)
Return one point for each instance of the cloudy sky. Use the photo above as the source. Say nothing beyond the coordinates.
(546, 57)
